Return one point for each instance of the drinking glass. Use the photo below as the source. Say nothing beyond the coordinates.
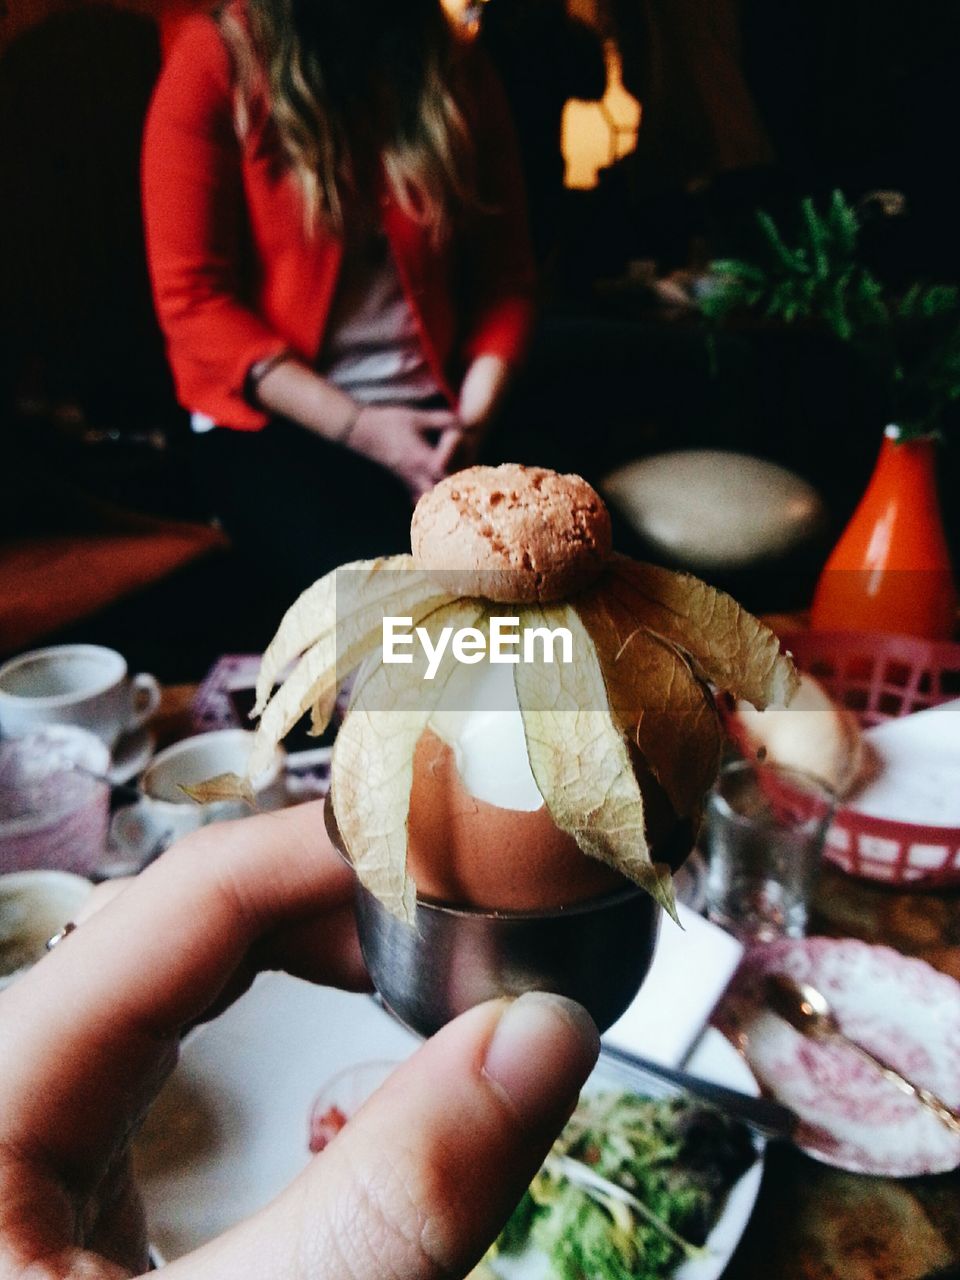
(764, 834)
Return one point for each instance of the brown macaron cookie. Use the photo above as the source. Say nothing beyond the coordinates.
(512, 533)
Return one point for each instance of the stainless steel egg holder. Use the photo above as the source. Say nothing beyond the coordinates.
(454, 957)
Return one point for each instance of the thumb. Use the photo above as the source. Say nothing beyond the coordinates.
(445, 449)
(424, 1176)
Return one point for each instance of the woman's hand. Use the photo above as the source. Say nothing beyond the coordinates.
(416, 1185)
(481, 394)
(417, 445)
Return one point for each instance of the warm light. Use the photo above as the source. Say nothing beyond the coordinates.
(457, 9)
(593, 134)
(596, 134)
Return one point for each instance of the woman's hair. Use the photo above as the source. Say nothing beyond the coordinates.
(351, 85)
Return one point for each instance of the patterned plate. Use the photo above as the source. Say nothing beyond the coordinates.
(900, 1008)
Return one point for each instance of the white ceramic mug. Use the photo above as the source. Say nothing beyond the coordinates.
(80, 684)
(165, 812)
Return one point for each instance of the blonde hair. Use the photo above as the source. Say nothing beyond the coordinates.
(347, 96)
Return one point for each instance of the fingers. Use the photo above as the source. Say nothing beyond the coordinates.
(163, 949)
(98, 1014)
(435, 460)
(99, 896)
(434, 419)
(416, 444)
(322, 949)
(426, 467)
(468, 446)
(424, 1176)
(447, 446)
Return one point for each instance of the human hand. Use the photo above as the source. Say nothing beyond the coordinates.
(467, 447)
(416, 1185)
(415, 444)
(481, 394)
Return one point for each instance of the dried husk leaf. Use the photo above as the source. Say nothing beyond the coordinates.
(580, 759)
(314, 681)
(311, 616)
(727, 645)
(372, 765)
(225, 786)
(656, 701)
(314, 613)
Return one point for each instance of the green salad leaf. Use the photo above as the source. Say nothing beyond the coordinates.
(631, 1188)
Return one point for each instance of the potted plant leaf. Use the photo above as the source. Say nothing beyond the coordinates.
(891, 569)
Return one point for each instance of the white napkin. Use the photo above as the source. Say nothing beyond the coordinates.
(690, 971)
(919, 775)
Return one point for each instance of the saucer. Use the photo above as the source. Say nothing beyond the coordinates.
(900, 1008)
(131, 755)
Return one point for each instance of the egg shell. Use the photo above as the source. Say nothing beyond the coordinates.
(812, 734)
(462, 850)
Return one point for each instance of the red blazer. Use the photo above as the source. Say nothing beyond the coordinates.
(237, 278)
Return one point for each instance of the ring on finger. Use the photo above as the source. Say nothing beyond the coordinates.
(59, 936)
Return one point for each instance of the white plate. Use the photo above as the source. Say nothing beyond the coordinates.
(714, 1059)
(131, 755)
(899, 1007)
(230, 1128)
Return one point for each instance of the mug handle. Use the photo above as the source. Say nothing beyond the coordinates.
(144, 699)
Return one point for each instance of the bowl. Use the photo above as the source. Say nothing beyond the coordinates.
(34, 905)
(881, 676)
(454, 957)
(54, 801)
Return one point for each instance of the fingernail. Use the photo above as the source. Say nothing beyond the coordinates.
(542, 1051)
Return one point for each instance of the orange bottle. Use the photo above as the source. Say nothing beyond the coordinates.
(891, 569)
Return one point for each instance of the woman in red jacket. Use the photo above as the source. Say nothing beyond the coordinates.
(337, 241)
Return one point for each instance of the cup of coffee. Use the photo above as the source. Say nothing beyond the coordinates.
(165, 812)
(85, 685)
(34, 905)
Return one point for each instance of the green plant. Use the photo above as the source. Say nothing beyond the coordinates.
(912, 340)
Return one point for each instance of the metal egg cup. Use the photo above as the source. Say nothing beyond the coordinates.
(596, 952)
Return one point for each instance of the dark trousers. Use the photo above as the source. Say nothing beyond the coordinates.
(296, 506)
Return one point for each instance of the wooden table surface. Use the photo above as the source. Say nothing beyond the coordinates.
(812, 1222)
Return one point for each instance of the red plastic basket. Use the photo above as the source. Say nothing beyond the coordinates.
(878, 677)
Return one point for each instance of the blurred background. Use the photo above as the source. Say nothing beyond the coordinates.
(651, 132)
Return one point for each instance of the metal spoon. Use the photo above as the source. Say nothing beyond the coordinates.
(121, 790)
(808, 1010)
